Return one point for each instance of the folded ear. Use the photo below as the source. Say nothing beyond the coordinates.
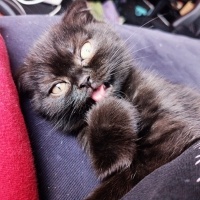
(78, 14)
(24, 82)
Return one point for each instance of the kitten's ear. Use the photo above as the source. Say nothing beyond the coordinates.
(78, 14)
(24, 82)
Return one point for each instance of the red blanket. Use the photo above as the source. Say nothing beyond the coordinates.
(17, 172)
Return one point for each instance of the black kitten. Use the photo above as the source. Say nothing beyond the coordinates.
(80, 77)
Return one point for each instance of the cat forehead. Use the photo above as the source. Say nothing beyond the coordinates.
(96, 31)
(66, 42)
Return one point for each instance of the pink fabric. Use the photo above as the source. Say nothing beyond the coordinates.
(17, 172)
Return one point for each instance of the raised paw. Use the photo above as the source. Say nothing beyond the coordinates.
(111, 135)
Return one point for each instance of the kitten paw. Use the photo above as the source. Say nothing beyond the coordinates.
(111, 135)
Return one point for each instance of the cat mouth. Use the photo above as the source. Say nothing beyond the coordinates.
(101, 92)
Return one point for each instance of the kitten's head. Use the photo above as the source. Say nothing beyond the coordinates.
(77, 63)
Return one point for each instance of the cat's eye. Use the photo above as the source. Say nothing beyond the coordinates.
(86, 51)
(60, 89)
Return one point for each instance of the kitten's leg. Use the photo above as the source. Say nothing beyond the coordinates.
(110, 136)
(115, 187)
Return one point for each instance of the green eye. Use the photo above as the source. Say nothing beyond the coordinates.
(60, 89)
(86, 51)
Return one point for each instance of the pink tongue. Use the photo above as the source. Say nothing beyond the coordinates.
(99, 93)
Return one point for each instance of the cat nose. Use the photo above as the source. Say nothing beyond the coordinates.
(84, 81)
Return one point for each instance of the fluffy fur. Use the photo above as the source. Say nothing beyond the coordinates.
(142, 123)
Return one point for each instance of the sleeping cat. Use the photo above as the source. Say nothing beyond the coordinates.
(80, 77)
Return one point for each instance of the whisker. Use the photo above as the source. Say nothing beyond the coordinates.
(121, 70)
(140, 49)
(136, 31)
(142, 57)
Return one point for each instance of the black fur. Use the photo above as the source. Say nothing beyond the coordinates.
(143, 122)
